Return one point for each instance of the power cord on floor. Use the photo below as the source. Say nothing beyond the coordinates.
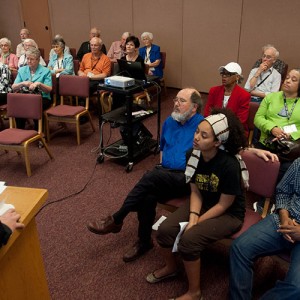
(71, 195)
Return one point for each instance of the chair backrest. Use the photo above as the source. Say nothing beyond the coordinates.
(73, 53)
(262, 174)
(279, 65)
(76, 64)
(70, 85)
(253, 107)
(42, 50)
(27, 106)
(163, 59)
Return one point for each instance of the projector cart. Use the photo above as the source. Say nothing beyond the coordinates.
(135, 147)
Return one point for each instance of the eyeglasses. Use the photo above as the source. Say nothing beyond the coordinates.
(179, 100)
(267, 57)
(3, 45)
(226, 74)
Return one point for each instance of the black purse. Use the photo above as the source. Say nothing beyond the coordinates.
(287, 150)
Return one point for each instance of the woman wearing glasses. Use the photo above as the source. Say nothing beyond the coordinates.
(6, 57)
(230, 95)
(60, 62)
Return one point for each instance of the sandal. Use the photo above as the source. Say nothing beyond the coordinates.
(151, 278)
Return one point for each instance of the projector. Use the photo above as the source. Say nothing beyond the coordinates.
(119, 81)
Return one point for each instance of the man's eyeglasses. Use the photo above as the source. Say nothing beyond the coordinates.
(267, 57)
(227, 74)
(179, 100)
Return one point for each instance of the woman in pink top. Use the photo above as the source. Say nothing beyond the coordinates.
(6, 57)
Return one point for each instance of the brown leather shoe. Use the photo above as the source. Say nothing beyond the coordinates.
(104, 226)
(137, 250)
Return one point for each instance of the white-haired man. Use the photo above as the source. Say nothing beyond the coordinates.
(264, 79)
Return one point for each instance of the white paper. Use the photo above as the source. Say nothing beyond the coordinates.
(4, 207)
(182, 228)
(158, 222)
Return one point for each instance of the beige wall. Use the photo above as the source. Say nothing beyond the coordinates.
(198, 35)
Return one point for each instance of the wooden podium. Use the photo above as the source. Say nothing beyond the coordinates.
(21, 264)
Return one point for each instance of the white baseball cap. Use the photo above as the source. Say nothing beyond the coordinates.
(232, 67)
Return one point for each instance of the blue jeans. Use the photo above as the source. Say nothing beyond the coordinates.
(262, 239)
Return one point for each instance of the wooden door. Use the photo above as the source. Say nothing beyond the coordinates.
(36, 18)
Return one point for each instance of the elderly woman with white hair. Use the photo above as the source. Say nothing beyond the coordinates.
(6, 57)
(151, 55)
(27, 44)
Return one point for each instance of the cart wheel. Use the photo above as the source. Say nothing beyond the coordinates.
(100, 159)
(129, 167)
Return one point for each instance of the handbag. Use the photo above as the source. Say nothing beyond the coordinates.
(287, 150)
(26, 90)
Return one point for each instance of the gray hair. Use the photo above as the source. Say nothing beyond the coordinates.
(5, 41)
(26, 30)
(269, 46)
(127, 34)
(34, 52)
(196, 99)
(34, 44)
(60, 42)
(147, 34)
(98, 31)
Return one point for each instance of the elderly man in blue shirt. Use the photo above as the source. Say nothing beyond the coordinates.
(165, 181)
(277, 232)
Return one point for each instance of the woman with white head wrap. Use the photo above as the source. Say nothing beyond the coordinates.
(217, 204)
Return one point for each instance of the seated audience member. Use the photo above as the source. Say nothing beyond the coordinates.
(278, 115)
(86, 47)
(6, 57)
(5, 83)
(29, 43)
(66, 50)
(24, 34)
(132, 45)
(60, 62)
(117, 48)
(95, 65)
(34, 78)
(264, 79)
(216, 208)
(275, 233)
(9, 222)
(151, 55)
(230, 94)
(165, 181)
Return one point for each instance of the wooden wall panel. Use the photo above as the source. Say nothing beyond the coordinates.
(198, 35)
(164, 19)
(270, 22)
(71, 19)
(112, 17)
(210, 40)
(11, 23)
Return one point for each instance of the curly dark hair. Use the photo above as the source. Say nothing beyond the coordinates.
(237, 139)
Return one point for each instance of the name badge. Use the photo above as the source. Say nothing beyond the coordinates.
(289, 128)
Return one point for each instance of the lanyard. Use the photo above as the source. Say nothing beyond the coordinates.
(289, 114)
(93, 66)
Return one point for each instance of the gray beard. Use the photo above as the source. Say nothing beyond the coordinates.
(182, 117)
